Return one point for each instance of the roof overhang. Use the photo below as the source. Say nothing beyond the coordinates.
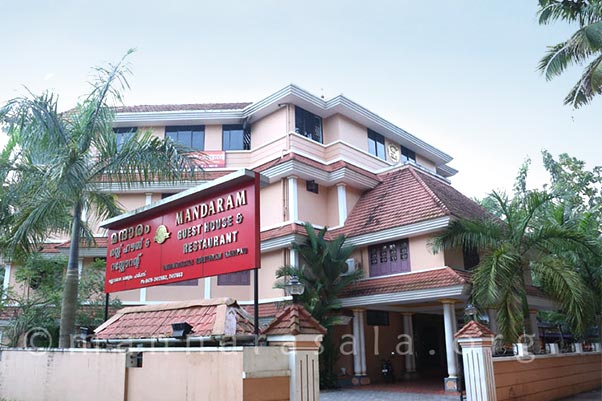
(459, 292)
(409, 230)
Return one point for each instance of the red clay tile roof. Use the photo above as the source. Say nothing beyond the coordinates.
(474, 329)
(50, 248)
(420, 280)
(146, 108)
(294, 320)
(212, 317)
(269, 309)
(408, 196)
(99, 242)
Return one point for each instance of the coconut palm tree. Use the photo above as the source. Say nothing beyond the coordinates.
(524, 244)
(584, 46)
(323, 271)
(63, 161)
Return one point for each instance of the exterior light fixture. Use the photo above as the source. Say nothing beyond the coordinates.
(180, 330)
(294, 287)
(471, 311)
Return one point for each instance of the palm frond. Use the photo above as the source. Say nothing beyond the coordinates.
(588, 86)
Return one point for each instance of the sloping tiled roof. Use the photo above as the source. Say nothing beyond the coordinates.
(474, 329)
(147, 108)
(50, 247)
(406, 196)
(266, 310)
(99, 242)
(420, 280)
(294, 320)
(211, 317)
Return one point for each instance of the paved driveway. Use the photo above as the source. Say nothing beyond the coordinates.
(376, 395)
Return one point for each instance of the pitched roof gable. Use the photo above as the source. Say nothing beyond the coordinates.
(406, 196)
(294, 320)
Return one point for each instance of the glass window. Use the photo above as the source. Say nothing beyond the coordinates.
(376, 144)
(308, 124)
(237, 278)
(234, 137)
(407, 155)
(192, 136)
(124, 134)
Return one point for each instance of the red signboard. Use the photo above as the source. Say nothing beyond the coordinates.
(201, 233)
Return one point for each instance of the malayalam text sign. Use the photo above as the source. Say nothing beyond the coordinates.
(200, 235)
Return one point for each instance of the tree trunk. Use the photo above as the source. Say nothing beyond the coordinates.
(70, 290)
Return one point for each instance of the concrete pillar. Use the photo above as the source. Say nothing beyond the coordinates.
(293, 200)
(534, 329)
(449, 316)
(303, 354)
(408, 330)
(342, 202)
(476, 342)
(6, 281)
(80, 267)
(359, 348)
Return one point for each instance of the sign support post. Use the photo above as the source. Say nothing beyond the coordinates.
(256, 301)
(107, 295)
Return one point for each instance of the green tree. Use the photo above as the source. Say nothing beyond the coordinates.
(38, 302)
(323, 271)
(525, 242)
(579, 192)
(583, 47)
(61, 160)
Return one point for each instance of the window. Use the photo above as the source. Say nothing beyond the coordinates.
(407, 155)
(471, 257)
(237, 278)
(186, 283)
(308, 124)
(234, 137)
(124, 134)
(377, 318)
(389, 258)
(376, 144)
(192, 136)
(312, 186)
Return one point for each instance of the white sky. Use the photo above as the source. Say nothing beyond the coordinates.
(458, 74)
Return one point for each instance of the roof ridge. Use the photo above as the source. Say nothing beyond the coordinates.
(437, 200)
(178, 305)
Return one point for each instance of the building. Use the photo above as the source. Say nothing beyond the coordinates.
(332, 163)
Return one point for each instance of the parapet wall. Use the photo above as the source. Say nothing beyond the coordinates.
(546, 377)
(192, 374)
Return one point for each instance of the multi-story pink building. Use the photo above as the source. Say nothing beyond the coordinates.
(332, 163)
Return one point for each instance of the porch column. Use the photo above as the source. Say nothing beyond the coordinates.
(408, 330)
(293, 201)
(534, 329)
(342, 202)
(449, 317)
(359, 348)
